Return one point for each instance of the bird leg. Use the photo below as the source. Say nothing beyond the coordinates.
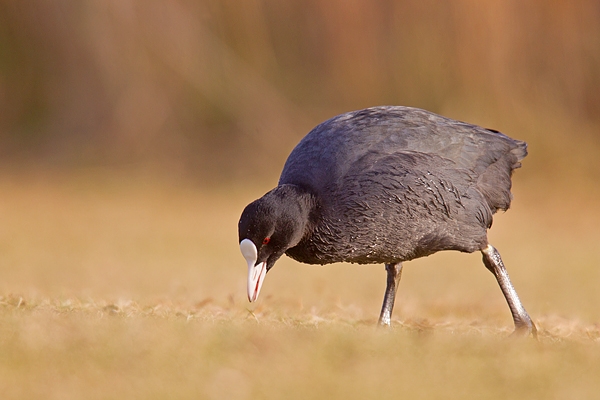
(523, 323)
(394, 272)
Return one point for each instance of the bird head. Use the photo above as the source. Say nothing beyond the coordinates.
(269, 227)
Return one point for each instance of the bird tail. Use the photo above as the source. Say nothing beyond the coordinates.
(520, 152)
(495, 183)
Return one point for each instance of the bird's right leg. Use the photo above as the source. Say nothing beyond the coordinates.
(523, 323)
(394, 272)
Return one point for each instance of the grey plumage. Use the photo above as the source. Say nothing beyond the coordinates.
(398, 183)
(386, 185)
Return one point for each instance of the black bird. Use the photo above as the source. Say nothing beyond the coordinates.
(386, 185)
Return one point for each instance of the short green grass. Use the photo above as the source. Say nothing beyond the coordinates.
(121, 286)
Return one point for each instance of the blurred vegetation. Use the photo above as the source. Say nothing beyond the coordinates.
(223, 90)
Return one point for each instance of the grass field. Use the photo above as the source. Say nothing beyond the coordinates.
(123, 286)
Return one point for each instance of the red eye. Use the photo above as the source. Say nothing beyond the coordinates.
(266, 240)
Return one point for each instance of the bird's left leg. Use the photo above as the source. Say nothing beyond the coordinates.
(523, 323)
(394, 272)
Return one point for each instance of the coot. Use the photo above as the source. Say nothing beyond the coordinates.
(386, 185)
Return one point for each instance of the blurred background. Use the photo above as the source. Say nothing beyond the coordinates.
(216, 93)
(221, 90)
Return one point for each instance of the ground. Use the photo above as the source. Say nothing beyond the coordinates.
(127, 286)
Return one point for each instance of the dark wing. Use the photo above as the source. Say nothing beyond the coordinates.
(398, 207)
(322, 159)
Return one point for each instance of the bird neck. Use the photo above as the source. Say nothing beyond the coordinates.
(298, 210)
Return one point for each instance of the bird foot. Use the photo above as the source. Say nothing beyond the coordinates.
(525, 330)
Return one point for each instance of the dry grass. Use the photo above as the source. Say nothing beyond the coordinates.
(125, 287)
